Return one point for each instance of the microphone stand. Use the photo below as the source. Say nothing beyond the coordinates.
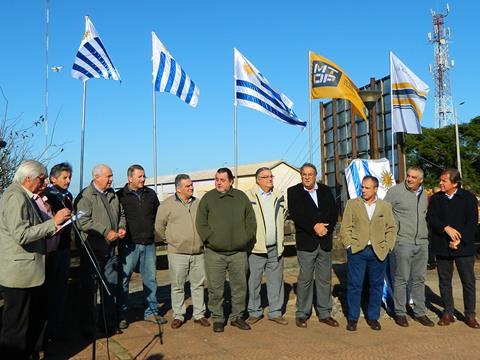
(96, 274)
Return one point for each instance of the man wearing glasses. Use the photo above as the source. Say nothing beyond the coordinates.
(22, 256)
(312, 208)
(266, 257)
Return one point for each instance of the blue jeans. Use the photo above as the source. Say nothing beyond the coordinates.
(358, 263)
(146, 254)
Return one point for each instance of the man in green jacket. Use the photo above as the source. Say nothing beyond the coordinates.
(226, 224)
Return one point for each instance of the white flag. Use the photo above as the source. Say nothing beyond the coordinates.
(409, 95)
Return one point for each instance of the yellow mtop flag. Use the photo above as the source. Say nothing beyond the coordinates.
(327, 80)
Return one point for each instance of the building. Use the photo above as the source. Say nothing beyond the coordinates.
(285, 175)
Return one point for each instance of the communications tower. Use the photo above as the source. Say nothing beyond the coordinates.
(444, 114)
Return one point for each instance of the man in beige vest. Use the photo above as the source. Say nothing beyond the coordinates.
(266, 256)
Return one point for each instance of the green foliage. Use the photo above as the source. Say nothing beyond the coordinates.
(435, 150)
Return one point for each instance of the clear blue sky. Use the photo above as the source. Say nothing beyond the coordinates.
(274, 35)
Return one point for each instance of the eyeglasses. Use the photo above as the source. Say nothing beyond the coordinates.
(42, 178)
(266, 177)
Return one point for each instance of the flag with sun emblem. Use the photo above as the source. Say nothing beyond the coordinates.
(359, 168)
(253, 90)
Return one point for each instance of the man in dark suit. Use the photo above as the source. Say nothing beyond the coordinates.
(312, 208)
(453, 217)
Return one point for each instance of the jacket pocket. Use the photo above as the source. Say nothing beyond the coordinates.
(24, 257)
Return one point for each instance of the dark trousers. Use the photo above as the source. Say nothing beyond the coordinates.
(23, 322)
(357, 265)
(57, 269)
(465, 270)
(109, 269)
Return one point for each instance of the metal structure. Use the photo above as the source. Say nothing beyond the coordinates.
(345, 136)
(444, 114)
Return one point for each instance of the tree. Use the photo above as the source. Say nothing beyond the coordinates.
(434, 150)
(17, 145)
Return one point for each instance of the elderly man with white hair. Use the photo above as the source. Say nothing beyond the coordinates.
(23, 234)
(101, 225)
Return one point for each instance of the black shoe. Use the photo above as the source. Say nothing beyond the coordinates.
(218, 326)
(424, 320)
(431, 266)
(351, 325)
(401, 320)
(240, 323)
(123, 324)
(374, 325)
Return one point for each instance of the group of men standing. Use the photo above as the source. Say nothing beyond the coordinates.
(228, 233)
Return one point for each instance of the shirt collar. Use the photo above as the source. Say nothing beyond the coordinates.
(451, 196)
(315, 187)
(264, 193)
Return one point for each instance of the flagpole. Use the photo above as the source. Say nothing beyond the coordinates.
(391, 118)
(235, 154)
(82, 145)
(154, 108)
(310, 113)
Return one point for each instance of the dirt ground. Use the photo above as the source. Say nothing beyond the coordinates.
(267, 340)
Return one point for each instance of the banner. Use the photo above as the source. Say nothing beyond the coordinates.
(327, 80)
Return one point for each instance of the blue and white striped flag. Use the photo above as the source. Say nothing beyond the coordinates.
(359, 168)
(168, 75)
(92, 60)
(253, 90)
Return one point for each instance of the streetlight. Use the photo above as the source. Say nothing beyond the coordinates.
(370, 98)
(459, 161)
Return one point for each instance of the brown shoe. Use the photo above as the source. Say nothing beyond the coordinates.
(329, 321)
(253, 319)
(202, 321)
(446, 320)
(424, 320)
(176, 323)
(401, 320)
(302, 323)
(472, 322)
(374, 325)
(279, 320)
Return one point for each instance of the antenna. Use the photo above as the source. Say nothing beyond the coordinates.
(440, 37)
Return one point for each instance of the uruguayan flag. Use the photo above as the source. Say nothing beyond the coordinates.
(168, 75)
(359, 168)
(409, 95)
(253, 90)
(92, 60)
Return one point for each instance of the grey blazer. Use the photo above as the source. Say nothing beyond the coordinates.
(22, 240)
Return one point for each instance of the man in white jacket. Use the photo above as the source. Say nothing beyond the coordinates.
(266, 256)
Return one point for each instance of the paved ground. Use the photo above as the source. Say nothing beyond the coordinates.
(268, 340)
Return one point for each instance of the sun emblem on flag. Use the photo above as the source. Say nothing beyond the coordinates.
(248, 69)
(386, 179)
(86, 34)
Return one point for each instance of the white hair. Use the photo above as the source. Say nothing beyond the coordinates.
(97, 169)
(31, 169)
